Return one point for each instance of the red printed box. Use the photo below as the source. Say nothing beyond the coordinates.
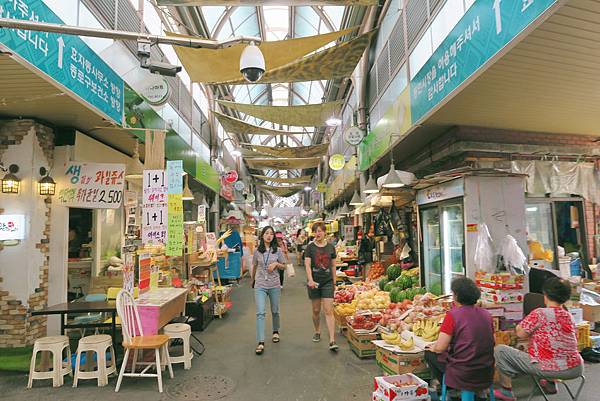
(400, 387)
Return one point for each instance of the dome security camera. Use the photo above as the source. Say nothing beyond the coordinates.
(252, 63)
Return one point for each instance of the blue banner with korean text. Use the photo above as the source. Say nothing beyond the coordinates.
(485, 29)
(67, 59)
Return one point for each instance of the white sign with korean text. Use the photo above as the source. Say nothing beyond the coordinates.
(155, 187)
(201, 213)
(154, 224)
(12, 227)
(91, 185)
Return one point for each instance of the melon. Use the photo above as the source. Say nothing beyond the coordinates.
(393, 271)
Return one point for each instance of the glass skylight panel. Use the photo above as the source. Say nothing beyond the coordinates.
(212, 15)
(277, 22)
(335, 14)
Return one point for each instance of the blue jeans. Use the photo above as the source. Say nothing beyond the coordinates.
(260, 296)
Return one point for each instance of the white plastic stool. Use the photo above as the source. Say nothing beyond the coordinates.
(55, 345)
(98, 344)
(182, 331)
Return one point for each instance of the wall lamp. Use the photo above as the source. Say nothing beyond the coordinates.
(11, 183)
(46, 186)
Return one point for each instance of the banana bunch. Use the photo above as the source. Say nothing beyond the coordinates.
(418, 328)
(407, 345)
(431, 331)
(392, 339)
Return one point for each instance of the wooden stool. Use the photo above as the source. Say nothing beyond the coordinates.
(98, 344)
(183, 331)
(55, 345)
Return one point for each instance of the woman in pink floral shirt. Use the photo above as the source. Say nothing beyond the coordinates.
(552, 337)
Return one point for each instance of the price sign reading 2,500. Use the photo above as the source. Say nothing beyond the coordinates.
(112, 196)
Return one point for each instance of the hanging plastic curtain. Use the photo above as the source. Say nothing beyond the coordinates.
(307, 115)
(221, 65)
(338, 61)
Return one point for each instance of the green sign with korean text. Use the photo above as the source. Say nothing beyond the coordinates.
(65, 58)
(486, 28)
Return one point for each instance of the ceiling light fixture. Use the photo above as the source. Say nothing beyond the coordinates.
(345, 210)
(371, 186)
(235, 153)
(308, 188)
(393, 179)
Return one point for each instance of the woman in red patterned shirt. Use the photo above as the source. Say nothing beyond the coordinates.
(552, 344)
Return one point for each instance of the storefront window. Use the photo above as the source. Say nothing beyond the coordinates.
(539, 228)
(109, 236)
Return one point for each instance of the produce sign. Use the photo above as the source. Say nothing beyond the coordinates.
(91, 185)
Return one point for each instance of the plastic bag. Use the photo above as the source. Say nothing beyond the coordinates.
(289, 268)
(485, 256)
(513, 257)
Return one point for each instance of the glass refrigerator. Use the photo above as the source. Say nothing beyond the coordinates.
(443, 245)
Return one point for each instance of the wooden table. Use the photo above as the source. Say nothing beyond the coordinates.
(159, 306)
(67, 308)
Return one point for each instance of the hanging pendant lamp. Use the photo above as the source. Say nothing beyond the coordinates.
(344, 211)
(371, 186)
(187, 193)
(356, 200)
(393, 179)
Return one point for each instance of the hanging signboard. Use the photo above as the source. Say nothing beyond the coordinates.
(353, 136)
(155, 188)
(154, 207)
(12, 227)
(67, 59)
(485, 29)
(226, 189)
(157, 92)
(201, 213)
(175, 208)
(239, 186)
(91, 185)
(231, 176)
(337, 161)
(250, 198)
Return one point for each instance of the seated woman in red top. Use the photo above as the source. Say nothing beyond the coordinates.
(552, 344)
(464, 351)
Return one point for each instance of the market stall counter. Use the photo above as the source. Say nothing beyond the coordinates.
(159, 306)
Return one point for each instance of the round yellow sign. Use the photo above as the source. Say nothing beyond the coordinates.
(337, 161)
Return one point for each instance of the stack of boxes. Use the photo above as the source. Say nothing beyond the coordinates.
(502, 295)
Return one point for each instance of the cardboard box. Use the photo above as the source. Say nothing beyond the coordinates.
(394, 363)
(591, 313)
(514, 307)
(400, 387)
(514, 316)
(577, 314)
(361, 344)
(501, 296)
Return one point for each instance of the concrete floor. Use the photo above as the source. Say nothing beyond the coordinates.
(295, 369)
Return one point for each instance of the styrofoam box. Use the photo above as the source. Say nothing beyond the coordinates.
(387, 390)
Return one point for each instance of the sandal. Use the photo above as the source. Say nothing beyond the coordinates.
(275, 337)
(260, 348)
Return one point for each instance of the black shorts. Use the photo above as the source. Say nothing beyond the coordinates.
(324, 290)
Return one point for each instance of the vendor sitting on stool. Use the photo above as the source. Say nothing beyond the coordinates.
(464, 351)
(553, 350)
